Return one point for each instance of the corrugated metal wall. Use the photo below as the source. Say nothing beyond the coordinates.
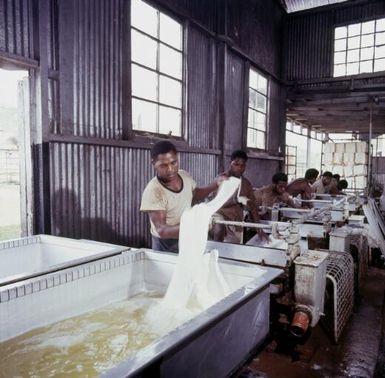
(309, 39)
(96, 190)
(202, 90)
(16, 22)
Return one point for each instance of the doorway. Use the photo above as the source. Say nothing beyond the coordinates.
(15, 155)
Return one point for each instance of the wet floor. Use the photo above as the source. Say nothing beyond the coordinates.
(359, 353)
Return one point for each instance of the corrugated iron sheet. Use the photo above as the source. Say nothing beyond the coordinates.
(97, 68)
(299, 5)
(309, 47)
(202, 91)
(16, 27)
(96, 190)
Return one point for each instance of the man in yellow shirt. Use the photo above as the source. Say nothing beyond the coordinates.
(168, 194)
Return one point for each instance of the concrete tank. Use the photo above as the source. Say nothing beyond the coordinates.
(213, 343)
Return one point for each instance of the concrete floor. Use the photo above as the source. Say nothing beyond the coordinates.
(359, 353)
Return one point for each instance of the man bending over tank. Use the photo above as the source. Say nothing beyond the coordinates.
(274, 194)
(241, 200)
(322, 185)
(302, 186)
(168, 194)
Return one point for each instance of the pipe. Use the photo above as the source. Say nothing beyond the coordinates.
(300, 323)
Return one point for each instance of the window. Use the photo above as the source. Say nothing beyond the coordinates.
(156, 70)
(257, 111)
(359, 48)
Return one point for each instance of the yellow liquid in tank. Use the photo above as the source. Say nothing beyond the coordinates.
(82, 346)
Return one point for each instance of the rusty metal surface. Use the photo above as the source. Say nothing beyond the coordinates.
(16, 23)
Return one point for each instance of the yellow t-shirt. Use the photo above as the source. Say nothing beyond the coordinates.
(157, 197)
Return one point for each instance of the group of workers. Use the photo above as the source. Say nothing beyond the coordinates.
(173, 190)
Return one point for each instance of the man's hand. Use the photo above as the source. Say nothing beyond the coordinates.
(262, 235)
(220, 179)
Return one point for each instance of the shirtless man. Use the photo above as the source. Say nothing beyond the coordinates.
(168, 194)
(322, 185)
(232, 210)
(302, 186)
(273, 194)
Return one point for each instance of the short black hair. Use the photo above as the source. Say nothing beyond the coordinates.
(327, 174)
(343, 184)
(280, 176)
(311, 173)
(337, 176)
(162, 148)
(239, 154)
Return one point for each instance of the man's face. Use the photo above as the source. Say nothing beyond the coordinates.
(166, 166)
(280, 187)
(326, 181)
(237, 167)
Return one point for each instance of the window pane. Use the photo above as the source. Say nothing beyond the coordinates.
(261, 121)
(170, 92)
(170, 31)
(367, 40)
(313, 134)
(253, 79)
(380, 39)
(339, 57)
(379, 65)
(341, 32)
(352, 68)
(262, 84)
(379, 52)
(143, 115)
(251, 138)
(340, 70)
(143, 49)
(170, 62)
(368, 27)
(340, 44)
(354, 29)
(252, 98)
(353, 55)
(144, 17)
(252, 118)
(260, 140)
(366, 66)
(144, 83)
(367, 53)
(170, 121)
(353, 43)
(297, 128)
(380, 24)
(261, 102)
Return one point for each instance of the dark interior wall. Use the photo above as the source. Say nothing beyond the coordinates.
(255, 27)
(309, 38)
(95, 165)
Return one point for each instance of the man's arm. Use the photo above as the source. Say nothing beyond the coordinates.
(158, 218)
(202, 192)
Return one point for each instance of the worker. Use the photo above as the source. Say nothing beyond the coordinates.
(274, 194)
(168, 194)
(341, 186)
(233, 209)
(322, 185)
(333, 186)
(302, 186)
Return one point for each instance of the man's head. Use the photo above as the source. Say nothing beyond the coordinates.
(238, 163)
(337, 177)
(165, 160)
(279, 181)
(327, 178)
(311, 175)
(342, 185)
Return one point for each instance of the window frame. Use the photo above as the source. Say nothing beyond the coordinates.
(346, 49)
(250, 68)
(182, 80)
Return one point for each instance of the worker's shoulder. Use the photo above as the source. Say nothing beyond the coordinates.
(184, 174)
